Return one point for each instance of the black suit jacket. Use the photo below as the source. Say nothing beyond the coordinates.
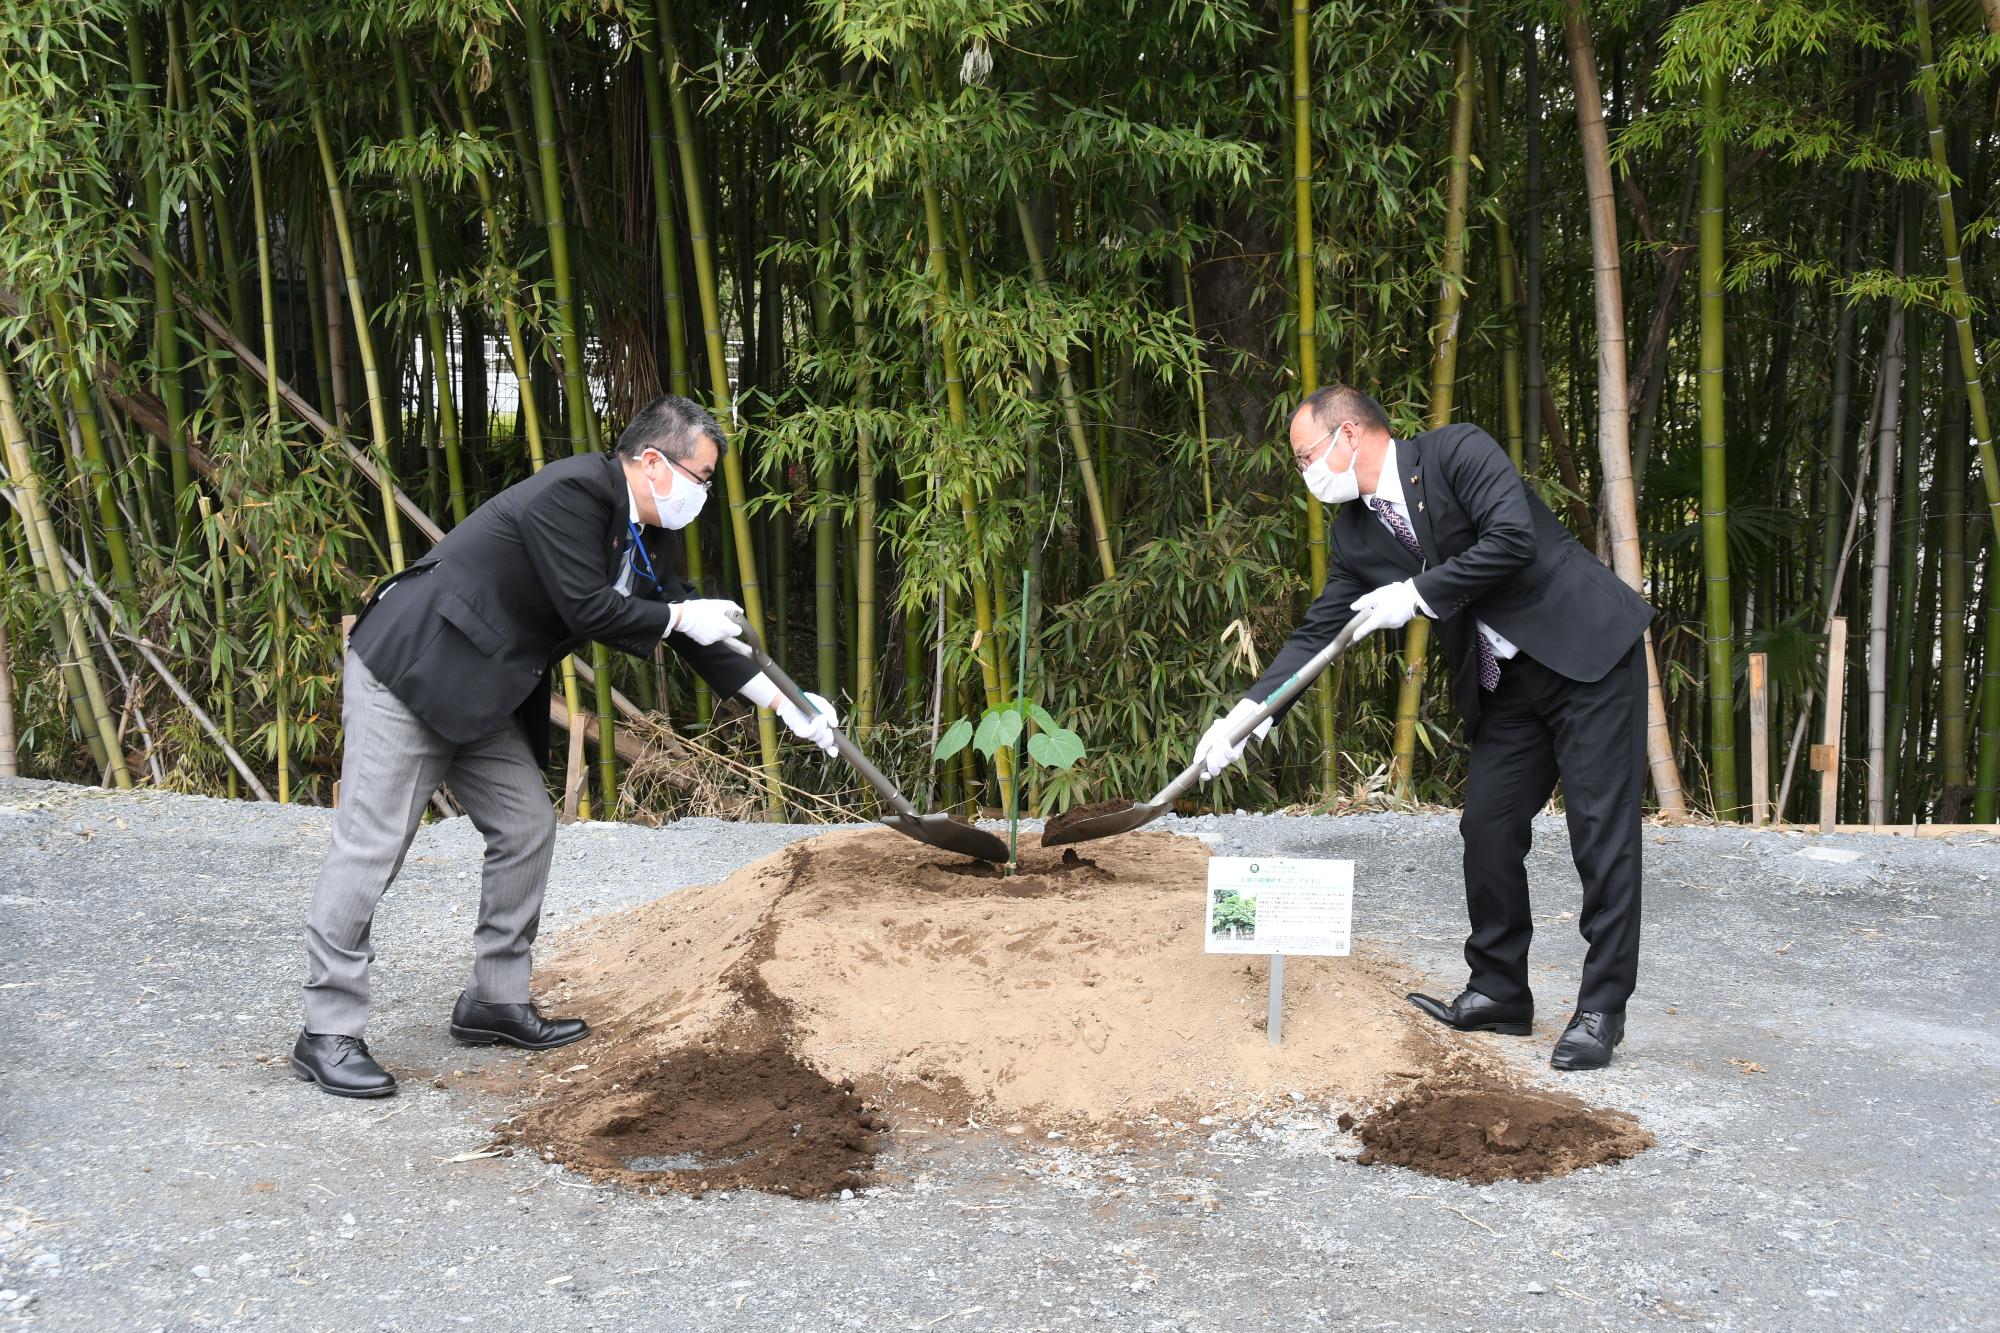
(1492, 552)
(466, 636)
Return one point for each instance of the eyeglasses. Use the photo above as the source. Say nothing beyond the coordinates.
(1305, 460)
(703, 482)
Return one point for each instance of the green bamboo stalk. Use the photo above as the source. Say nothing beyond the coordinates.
(1503, 254)
(223, 683)
(658, 140)
(378, 412)
(166, 330)
(718, 374)
(93, 707)
(1952, 770)
(968, 290)
(1715, 463)
(1200, 389)
(1308, 344)
(510, 310)
(1444, 375)
(861, 314)
(1072, 403)
(954, 387)
(1905, 669)
(569, 333)
(826, 590)
(434, 330)
(83, 406)
(10, 763)
(1531, 296)
(266, 293)
(530, 417)
(1986, 802)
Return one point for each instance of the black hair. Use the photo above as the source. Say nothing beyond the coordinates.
(672, 424)
(1339, 402)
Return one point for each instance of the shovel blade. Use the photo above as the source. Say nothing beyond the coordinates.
(1106, 825)
(946, 832)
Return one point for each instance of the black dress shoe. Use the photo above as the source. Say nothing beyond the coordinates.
(482, 1024)
(1586, 1043)
(340, 1065)
(1473, 1012)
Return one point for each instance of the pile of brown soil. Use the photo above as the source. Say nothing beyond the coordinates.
(1483, 1131)
(863, 977)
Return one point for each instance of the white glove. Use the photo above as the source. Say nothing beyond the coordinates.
(1215, 753)
(818, 729)
(815, 730)
(706, 620)
(1389, 607)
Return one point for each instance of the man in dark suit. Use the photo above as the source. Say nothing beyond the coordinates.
(1548, 671)
(447, 679)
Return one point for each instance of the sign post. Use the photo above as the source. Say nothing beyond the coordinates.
(1277, 906)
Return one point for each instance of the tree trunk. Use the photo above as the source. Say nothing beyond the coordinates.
(1715, 464)
(1880, 612)
(1613, 418)
(1986, 802)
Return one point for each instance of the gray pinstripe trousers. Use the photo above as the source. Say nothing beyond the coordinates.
(392, 764)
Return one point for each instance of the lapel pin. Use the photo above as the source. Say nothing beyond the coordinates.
(1420, 506)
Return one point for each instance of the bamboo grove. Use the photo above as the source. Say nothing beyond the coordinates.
(1000, 300)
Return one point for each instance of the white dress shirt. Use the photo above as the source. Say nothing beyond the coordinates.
(1389, 487)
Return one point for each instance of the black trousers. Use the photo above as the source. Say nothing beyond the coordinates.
(1539, 726)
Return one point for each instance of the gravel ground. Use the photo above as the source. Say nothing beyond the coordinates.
(1813, 1042)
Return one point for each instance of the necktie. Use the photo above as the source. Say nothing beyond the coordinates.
(1489, 665)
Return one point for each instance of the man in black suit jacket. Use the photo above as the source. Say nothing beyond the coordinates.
(447, 679)
(1548, 671)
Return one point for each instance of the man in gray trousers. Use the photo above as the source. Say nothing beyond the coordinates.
(447, 680)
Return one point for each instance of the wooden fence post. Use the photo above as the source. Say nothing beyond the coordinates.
(1826, 755)
(1760, 741)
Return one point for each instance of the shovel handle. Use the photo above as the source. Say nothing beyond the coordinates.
(749, 645)
(1292, 686)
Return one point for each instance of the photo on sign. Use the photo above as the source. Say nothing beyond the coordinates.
(1232, 915)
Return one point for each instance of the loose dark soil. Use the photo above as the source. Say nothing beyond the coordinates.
(1481, 1133)
(709, 1118)
(1075, 815)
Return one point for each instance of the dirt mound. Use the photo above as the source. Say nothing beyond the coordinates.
(863, 977)
(1486, 1132)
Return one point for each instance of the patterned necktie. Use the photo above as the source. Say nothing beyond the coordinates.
(1489, 665)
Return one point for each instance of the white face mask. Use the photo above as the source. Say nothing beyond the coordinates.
(682, 502)
(1331, 487)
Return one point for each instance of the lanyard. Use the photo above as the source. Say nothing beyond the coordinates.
(640, 561)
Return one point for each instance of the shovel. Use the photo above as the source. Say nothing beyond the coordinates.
(1092, 827)
(937, 830)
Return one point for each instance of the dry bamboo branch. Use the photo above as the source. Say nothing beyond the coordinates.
(160, 669)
